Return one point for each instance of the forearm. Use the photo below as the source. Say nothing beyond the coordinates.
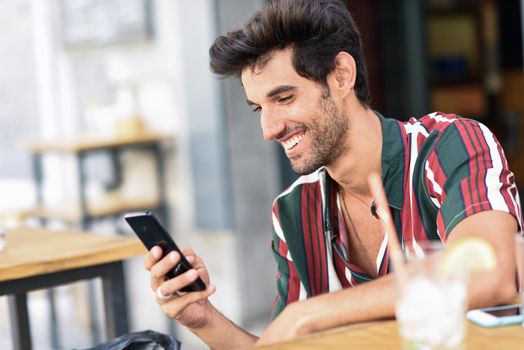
(370, 301)
(490, 290)
(376, 299)
(221, 333)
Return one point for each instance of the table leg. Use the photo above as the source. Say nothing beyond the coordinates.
(115, 301)
(92, 302)
(38, 177)
(53, 319)
(116, 165)
(20, 328)
(82, 182)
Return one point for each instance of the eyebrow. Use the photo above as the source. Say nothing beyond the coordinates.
(278, 90)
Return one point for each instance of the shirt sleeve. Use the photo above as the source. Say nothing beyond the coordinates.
(287, 279)
(467, 173)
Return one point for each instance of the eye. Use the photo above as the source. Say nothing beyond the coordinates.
(285, 99)
(257, 109)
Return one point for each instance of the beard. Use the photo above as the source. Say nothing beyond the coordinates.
(328, 133)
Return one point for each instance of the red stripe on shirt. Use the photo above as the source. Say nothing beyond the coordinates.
(319, 233)
(441, 227)
(340, 269)
(293, 284)
(406, 225)
(314, 241)
(304, 207)
(479, 166)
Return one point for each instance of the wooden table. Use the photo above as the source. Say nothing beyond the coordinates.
(384, 335)
(80, 147)
(87, 143)
(36, 259)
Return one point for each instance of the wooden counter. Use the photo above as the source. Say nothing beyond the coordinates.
(384, 335)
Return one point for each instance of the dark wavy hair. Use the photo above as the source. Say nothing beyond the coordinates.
(316, 30)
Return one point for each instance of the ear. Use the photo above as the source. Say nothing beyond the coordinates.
(344, 75)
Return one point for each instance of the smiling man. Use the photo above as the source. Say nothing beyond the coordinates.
(445, 177)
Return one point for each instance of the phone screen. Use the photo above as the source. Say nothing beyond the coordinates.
(510, 311)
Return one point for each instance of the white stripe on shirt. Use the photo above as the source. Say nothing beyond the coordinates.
(492, 180)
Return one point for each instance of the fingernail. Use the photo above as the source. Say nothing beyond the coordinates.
(155, 252)
(190, 258)
(173, 256)
(191, 274)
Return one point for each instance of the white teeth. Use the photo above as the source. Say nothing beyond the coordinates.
(292, 142)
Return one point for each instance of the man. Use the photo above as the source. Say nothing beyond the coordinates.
(302, 68)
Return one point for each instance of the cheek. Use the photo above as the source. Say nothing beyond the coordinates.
(294, 111)
(303, 111)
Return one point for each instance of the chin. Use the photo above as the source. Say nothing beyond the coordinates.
(303, 169)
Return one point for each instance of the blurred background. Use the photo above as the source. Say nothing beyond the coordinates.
(108, 106)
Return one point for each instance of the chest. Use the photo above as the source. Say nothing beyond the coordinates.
(363, 236)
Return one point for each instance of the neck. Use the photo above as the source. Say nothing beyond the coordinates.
(363, 152)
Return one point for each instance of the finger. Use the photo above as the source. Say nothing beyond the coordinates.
(190, 255)
(160, 297)
(173, 285)
(188, 251)
(190, 259)
(152, 257)
(162, 267)
(174, 307)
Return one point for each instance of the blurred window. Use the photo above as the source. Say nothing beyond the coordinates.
(18, 100)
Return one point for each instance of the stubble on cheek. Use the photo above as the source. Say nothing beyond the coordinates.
(327, 134)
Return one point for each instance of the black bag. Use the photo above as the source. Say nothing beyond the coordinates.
(144, 340)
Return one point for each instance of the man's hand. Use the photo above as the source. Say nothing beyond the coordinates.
(189, 309)
(193, 309)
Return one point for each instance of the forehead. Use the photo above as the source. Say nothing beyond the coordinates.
(276, 71)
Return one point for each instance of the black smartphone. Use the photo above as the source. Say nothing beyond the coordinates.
(151, 233)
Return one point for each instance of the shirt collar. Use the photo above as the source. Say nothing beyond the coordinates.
(392, 161)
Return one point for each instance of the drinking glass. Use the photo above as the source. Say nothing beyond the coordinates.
(431, 307)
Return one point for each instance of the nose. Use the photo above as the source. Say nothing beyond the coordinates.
(272, 125)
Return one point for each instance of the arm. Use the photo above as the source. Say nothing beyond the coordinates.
(376, 299)
(478, 196)
(193, 309)
(221, 333)
(370, 301)
(492, 287)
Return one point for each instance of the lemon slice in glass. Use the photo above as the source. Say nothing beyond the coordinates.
(467, 255)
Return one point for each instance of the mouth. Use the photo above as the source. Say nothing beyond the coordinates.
(292, 142)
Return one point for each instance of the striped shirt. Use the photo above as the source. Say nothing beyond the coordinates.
(436, 171)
